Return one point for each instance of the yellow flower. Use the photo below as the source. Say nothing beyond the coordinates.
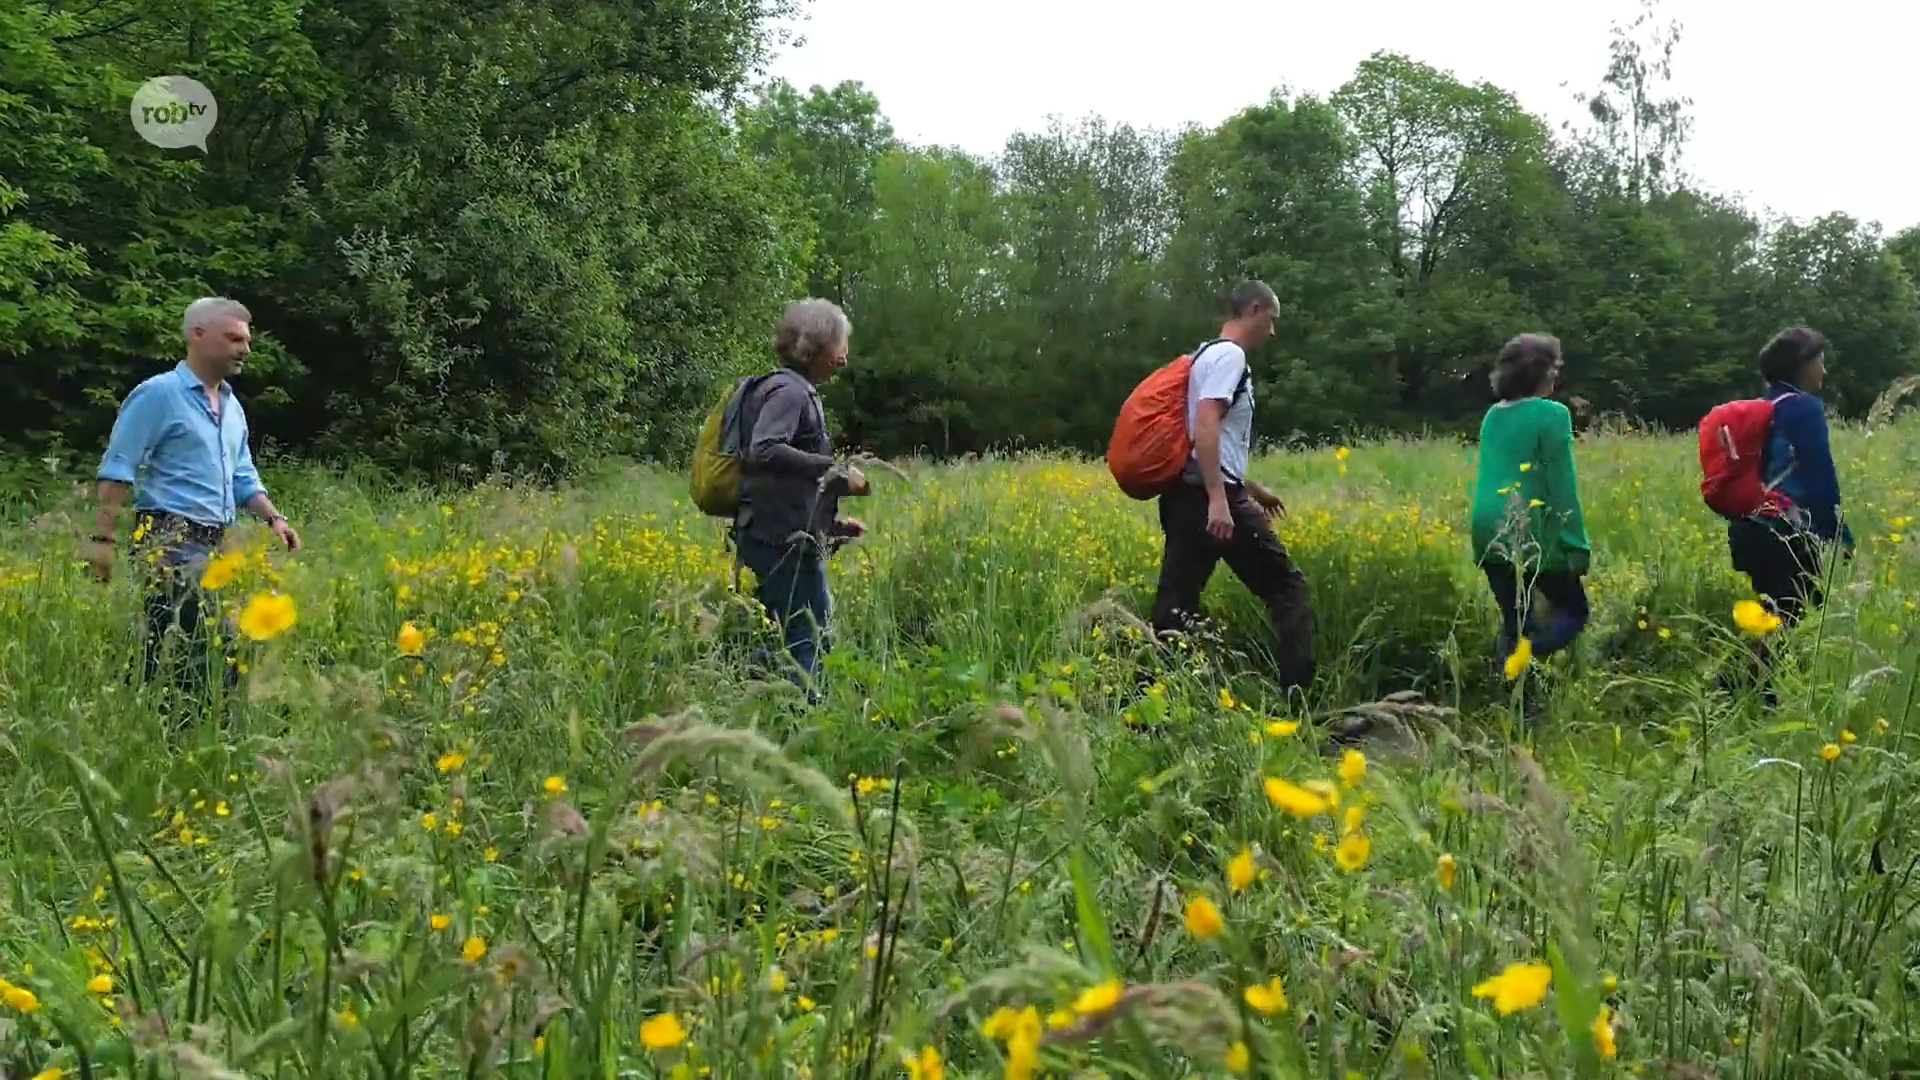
(804, 1003)
(1752, 617)
(1240, 870)
(1266, 997)
(18, 998)
(1340, 453)
(1059, 1019)
(1280, 729)
(662, 1032)
(1238, 1058)
(1203, 918)
(1520, 986)
(1350, 821)
(926, 1066)
(1829, 751)
(1352, 852)
(267, 616)
(1353, 767)
(439, 921)
(1443, 868)
(1294, 799)
(1326, 789)
(1226, 698)
(1603, 1033)
(451, 761)
(473, 949)
(51, 1072)
(1521, 657)
(1023, 1045)
(554, 785)
(1847, 736)
(411, 640)
(100, 984)
(776, 980)
(1103, 996)
(220, 570)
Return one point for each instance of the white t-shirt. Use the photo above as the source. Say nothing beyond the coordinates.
(1215, 376)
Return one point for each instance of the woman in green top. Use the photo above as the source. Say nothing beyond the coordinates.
(1528, 531)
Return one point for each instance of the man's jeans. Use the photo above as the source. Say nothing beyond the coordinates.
(170, 557)
(793, 588)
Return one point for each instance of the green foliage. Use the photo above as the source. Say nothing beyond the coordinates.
(538, 235)
(467, 232)
(511, 785)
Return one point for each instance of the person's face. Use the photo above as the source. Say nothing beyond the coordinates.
(829, 362)
(222, 345)
(1814, 375)
(1259, 323)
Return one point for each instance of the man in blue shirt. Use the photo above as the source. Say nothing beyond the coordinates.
(179, 445)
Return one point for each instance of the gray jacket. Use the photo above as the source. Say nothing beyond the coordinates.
(783, 474)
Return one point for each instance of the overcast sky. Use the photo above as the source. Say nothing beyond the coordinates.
(1799, 107)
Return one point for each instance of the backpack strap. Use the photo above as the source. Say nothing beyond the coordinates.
(1239, 390)
(1772, 484)
(751, 403)
(1246, 370)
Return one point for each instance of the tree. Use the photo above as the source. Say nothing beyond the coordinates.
(1445, 167)
(830, 141)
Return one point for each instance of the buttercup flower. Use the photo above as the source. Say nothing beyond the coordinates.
(267, 616)
(1240, 870)
(662, 1032)
(1752, 617)
(1203, 918)
(1520, 986)
(1266, 997)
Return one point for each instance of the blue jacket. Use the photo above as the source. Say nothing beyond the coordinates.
(1799, 459)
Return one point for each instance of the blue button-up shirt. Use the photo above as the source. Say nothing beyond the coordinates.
(179, 457)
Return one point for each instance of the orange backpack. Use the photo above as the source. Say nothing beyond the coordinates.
(1150, 442)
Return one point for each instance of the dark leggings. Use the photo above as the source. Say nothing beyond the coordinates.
(1566, 600)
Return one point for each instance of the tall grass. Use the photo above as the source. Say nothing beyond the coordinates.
(580, 835)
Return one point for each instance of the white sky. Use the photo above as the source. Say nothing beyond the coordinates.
(1837, 131)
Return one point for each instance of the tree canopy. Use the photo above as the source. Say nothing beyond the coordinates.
(538, 233)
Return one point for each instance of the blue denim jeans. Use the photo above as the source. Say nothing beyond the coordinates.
(793, 589)
(170, 556)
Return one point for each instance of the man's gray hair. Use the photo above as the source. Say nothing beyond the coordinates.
(207, 309)
(1248, 295)
(807, 328)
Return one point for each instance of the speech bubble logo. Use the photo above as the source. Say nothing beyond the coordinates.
(174, 111)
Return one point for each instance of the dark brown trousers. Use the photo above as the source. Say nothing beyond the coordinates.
(1254, 554)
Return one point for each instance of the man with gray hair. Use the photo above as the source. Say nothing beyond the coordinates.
(790, 489)
(180, 444)
(1217, 510)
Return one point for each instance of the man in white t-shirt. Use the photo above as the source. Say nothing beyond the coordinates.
(1218, 511)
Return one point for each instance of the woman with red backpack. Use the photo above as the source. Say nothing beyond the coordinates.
(1778, 545)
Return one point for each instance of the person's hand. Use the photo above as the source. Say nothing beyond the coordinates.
(1270, 502)
(286, 533)
(1219, 518)
(852, 527)
(856, 481)
(99, 557)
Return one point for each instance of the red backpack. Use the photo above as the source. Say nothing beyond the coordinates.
(1150, 442)
(1733, 440)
